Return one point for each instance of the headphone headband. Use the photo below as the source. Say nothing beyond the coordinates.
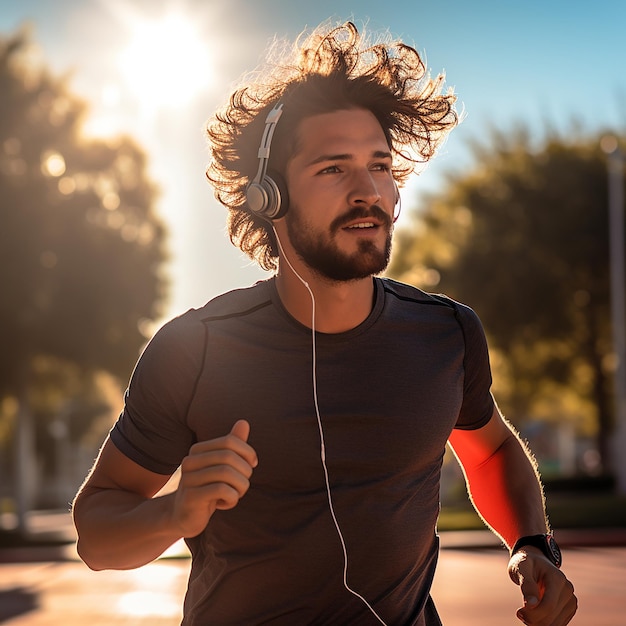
(266, 141)
(267, 196)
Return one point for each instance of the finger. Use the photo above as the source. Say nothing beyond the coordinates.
(235, 441)
(531, 591)
(557, 606)
(211, 466)
(203, 491)
(229, 498)
(563, 617)
(220, 490)
(222, 495)
(241, 430)
(214, 496)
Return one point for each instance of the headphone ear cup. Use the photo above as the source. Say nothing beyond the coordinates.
(397, 198)
(258, 198)
(279, 196)
(268, 199)
(397, 208)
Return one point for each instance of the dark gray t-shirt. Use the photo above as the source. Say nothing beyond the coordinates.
(390, 391)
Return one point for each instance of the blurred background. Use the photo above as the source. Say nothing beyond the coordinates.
(108, 227)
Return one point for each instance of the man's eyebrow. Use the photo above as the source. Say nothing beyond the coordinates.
(382, 154)
(323, 158)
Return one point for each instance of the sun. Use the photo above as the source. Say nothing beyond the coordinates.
(166, 62)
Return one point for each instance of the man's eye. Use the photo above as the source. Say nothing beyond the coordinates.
(381, 167)
(331, 169)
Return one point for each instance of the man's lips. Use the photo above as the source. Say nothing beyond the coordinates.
(360, 219)
(361, 225)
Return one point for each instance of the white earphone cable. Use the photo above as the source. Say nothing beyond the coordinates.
(322, 440)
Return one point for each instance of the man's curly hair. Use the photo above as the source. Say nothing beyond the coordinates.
(328, 70)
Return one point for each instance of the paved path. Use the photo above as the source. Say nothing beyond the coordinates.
(471, 589)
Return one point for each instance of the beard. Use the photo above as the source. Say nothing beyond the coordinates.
(322, 254)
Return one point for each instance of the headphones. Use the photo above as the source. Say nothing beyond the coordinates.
(266, 195)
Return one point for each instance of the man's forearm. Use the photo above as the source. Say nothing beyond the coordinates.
(122, 530)
(506, 491)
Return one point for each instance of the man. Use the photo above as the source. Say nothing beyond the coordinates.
(309, 413)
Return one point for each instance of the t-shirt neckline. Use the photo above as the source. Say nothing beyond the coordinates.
(366, 324)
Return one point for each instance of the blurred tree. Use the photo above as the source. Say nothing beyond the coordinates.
(81, 246)
(523, 239)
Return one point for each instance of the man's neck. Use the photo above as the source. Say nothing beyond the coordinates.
(339, 306)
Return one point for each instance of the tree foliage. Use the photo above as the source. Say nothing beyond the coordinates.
(81, 246)
(81, 268)
(523, 239)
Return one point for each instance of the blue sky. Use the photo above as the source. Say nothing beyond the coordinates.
(538, 62)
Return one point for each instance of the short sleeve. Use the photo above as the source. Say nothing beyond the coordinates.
(478, 403)
(152, 429)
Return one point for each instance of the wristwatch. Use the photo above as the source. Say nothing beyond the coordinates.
(545, 543)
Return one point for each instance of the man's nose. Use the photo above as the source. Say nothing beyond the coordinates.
(364, 189)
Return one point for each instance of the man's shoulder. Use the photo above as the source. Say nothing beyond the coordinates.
(404, 293)
(235, 303)
(183, 334)
(409, 293)
(229, 304)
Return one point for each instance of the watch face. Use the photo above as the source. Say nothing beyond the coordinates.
(554, 550)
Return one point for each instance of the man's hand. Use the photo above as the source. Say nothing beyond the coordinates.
(549, 598)
(215, 475)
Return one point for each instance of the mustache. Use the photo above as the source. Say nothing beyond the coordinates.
(358, 212)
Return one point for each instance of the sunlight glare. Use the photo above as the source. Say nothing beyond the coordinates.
(146, 603)
(165, 61)
(153, 590)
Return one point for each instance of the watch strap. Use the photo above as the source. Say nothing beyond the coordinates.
(545, 542)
